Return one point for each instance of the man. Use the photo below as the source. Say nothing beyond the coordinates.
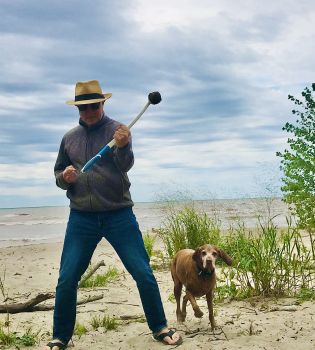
(101, 206)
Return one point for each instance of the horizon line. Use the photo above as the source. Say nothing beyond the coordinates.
(157, 201)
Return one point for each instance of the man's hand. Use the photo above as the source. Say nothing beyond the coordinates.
(121, 136)
(70, 174)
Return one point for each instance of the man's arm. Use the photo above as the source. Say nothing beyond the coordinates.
(62, 164)
(123, 154)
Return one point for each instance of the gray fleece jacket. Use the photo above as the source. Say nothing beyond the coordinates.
(106, 185)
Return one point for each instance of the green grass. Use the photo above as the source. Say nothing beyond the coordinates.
(187, 228)
(269, 261)
(9, 339)
(149, 241)
(29, 338)
(171, 298)
(101, 280)
(105, 321)
(80, 329)
(306, 294)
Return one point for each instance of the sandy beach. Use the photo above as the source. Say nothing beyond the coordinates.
(252, 324)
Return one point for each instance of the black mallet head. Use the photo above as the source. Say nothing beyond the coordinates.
(154, 97)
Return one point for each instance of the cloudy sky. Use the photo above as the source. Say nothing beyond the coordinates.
(224, 70)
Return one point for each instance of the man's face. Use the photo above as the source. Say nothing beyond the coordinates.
(91, 113)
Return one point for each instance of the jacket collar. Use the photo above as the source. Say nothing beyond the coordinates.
(98, 124)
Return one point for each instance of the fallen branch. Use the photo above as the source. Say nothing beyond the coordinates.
(121, 302)
(131, 317)
(28, 306)
(97, 266)
(283, 308)
(80, 302)
(31, 305)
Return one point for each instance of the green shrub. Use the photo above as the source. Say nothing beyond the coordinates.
(187, 228)
(269, 262)
(297, 162)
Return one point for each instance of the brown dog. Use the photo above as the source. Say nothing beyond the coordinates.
(195, 269)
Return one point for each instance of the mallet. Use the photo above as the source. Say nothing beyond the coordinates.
(153, 99)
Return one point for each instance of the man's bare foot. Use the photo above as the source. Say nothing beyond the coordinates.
(55, 344)
(168, 337)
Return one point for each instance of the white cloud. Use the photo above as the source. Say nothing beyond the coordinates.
(27, 172)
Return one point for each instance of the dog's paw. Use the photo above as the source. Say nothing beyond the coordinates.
(214, 327)
(198, 313)
(181, 317)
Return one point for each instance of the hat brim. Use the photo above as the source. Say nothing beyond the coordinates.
(84, 102)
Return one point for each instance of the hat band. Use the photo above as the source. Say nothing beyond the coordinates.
(88, 97)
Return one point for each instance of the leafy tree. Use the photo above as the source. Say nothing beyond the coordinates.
(298, 162)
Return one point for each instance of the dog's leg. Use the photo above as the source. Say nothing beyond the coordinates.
(198, 313)
(184, 313)
(177, 293)
(209, 297)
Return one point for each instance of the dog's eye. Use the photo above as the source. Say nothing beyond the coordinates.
(215, 254)
(203, 253)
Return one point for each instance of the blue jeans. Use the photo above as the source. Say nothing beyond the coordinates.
(84, 232)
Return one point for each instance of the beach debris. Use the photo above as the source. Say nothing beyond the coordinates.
(283, 308)
(93, 270)
(32, 305)
(27, 306)
(86, 300)
(131, 317)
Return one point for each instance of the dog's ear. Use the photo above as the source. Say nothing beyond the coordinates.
(226, 258)
(196, 254)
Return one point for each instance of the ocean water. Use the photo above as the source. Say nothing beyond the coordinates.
(48, 224)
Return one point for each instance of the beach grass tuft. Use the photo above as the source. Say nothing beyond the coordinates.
(28, 338)
(80, 329)
(188, 228)
(101, 280)
(269, 261)
(306, 294)
(149, 241)
(105, 321)
(9, 339)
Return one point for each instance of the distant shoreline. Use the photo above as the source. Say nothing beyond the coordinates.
(156, 202)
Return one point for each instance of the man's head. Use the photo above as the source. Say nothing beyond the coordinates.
(89, 99)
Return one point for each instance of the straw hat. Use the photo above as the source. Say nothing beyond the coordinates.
(88, 92)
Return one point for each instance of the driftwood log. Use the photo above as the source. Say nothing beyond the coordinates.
(32, 304)
(28, 306)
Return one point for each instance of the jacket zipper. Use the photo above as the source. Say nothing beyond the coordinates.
(87, 175)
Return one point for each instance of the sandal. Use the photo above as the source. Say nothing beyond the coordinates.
(60, 345)
(170, 333)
